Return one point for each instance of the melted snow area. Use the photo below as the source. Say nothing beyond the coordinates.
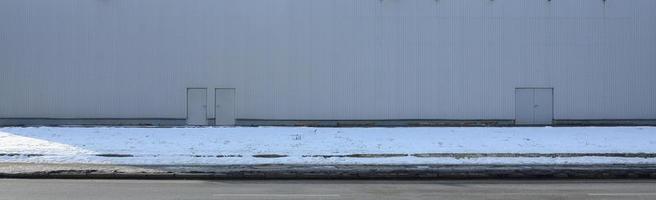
(237, 145)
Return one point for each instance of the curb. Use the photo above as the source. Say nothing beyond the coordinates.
(200, 172)
(384, 155)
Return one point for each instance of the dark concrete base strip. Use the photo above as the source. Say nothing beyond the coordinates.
(141, 122)
(376, 123)
(607, 122)
(342, 172)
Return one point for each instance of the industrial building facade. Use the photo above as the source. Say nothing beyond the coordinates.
(250, 62)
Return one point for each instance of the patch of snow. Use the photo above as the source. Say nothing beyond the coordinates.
(177, 145)
(12, 143)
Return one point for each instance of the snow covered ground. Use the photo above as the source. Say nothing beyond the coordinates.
(307, 145)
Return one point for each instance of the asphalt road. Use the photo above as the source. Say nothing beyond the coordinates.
(300, 189)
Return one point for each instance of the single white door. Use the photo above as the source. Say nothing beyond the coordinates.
(224, 113)
(197, 106)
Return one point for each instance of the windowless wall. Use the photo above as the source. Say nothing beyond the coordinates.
(325, 59)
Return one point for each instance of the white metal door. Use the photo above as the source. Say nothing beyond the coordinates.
(224, 105)
(197, 106)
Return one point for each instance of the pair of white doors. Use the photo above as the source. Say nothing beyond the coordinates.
(224, 106)
(533, 106)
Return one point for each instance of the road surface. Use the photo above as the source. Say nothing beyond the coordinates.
(319, 189)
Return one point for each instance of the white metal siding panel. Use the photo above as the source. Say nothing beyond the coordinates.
(327, 59)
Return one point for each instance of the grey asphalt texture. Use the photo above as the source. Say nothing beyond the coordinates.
(56, 189)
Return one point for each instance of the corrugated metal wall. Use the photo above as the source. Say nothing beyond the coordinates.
(327, 59)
